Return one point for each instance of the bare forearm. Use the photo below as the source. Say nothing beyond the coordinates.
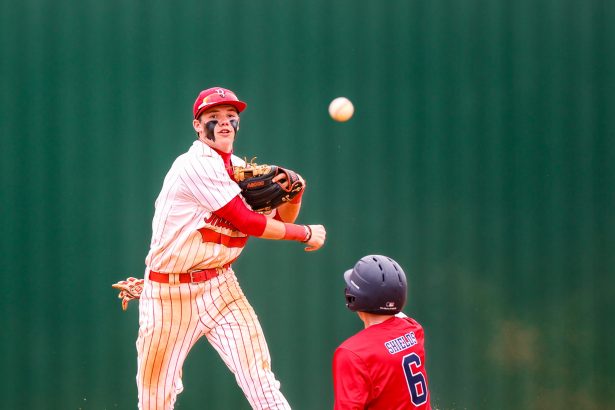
(289, 211)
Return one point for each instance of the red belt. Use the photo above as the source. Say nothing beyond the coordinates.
(190, 277)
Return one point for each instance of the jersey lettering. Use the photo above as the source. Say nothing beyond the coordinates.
(401, 343)
(186, 235)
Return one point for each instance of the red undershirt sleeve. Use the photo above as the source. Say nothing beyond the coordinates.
(242, 218)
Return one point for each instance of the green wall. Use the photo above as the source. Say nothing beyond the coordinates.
(481, 157)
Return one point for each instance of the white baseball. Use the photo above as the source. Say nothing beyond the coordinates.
(341, 109)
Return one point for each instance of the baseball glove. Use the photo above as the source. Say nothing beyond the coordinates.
(130, 289)
(260, 191)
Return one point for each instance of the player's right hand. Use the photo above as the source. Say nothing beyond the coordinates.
(318, 238)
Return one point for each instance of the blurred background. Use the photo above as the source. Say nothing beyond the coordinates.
(481, 157)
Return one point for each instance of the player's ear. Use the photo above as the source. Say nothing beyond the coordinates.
(198, 127)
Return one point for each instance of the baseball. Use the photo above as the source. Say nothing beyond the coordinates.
(341, 109)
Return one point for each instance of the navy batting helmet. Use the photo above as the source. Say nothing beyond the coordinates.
(376, 284)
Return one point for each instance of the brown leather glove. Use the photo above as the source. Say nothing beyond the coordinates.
(130, 289)
(259, 189)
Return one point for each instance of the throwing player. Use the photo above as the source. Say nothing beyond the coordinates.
(200, 227)
(382, 366)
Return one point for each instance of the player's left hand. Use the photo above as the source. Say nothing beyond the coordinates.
(266, 187)
(130, 289)
(283, 180)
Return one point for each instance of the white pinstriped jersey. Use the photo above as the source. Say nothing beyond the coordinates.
(186, 236)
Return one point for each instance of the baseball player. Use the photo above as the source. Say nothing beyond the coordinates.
(382, 366)
(200, 226)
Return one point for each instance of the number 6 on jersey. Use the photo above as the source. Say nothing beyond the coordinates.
(415, 378)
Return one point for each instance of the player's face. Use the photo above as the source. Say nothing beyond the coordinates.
(218, 126)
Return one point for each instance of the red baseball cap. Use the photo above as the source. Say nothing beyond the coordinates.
(216, 96)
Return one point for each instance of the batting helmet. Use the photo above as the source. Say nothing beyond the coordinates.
(216, 96)
(376, 284)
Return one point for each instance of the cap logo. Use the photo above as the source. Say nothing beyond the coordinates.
(390, 304)
(210, 99)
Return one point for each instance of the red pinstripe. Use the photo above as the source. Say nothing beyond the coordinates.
(172, 318)
(262, 344)
(171, 323)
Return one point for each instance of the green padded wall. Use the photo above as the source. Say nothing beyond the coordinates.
(481, 156)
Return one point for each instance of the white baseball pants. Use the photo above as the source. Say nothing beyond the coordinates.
(173, 317)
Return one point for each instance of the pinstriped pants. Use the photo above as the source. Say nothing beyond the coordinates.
(173, 317)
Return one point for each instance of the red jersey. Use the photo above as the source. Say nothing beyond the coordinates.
(382, 367)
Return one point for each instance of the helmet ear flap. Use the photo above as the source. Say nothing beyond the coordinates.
(349, 299)
(349, 294)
